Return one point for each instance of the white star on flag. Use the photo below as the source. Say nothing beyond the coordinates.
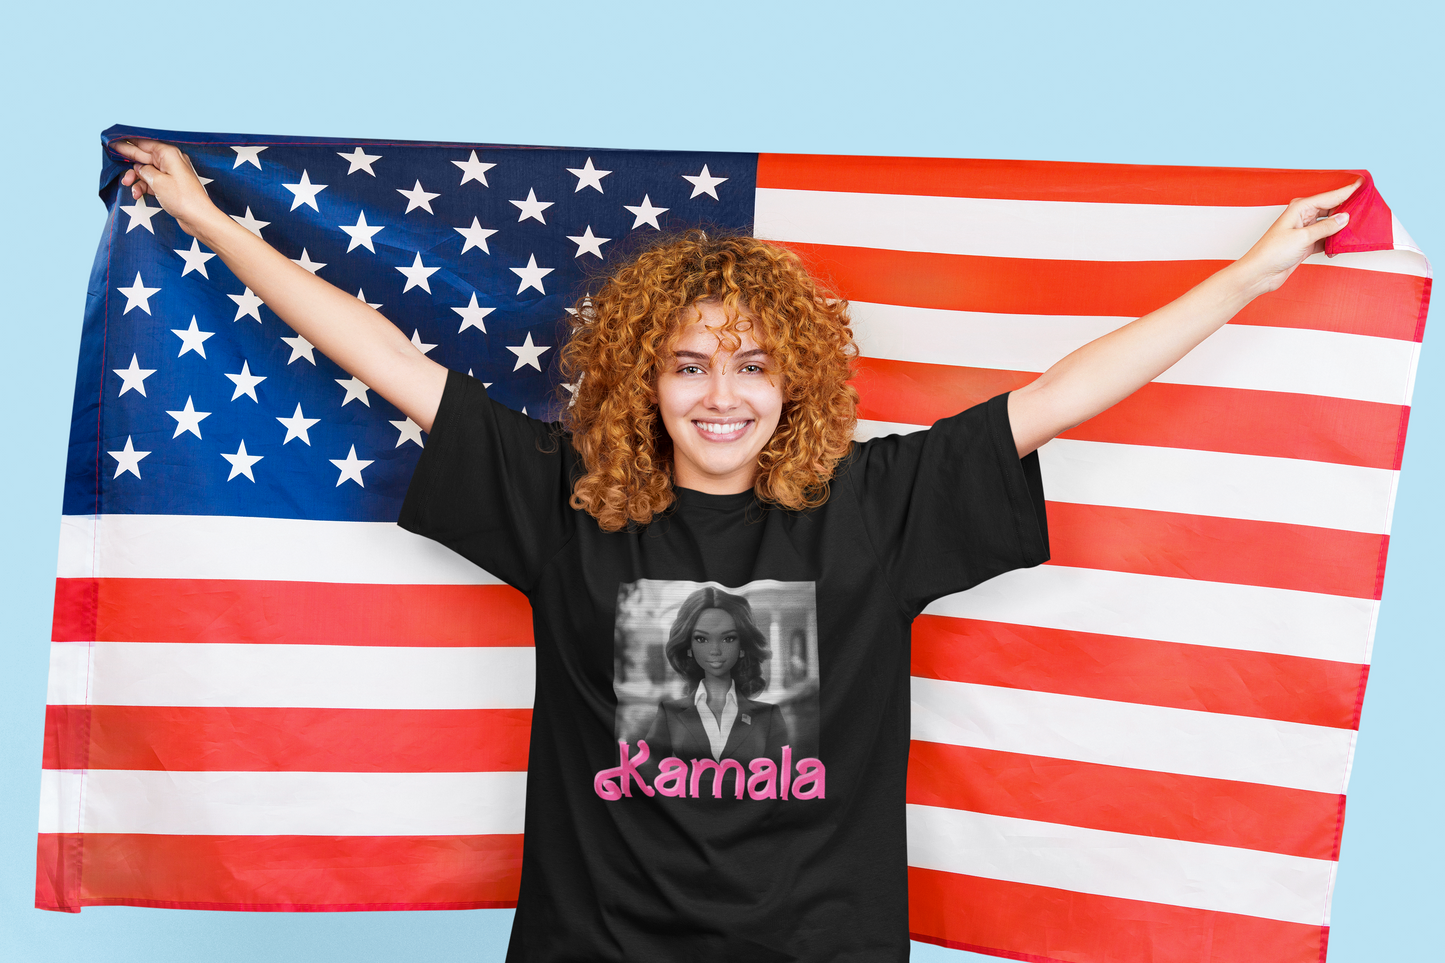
(531, 207)
(476, 236)
(192, 338)
(528, 353)
(247, 305)
(417, 274)
(531, 275)
(300, 348)
(246, 382)
(304, 261)
(588, 243)
(305, 192)
(188, 419)
(588, 176)
(195, 259)
(127, 459)
(418, 196)
(137, 296)
(354, 390)
(359, 161)
(473, 315)
(241, 462)
(361, 296)
(474, 170)
(361, 233)
(410, 431)
(140, 215)
(417, 342)
(703, 183)
(351, 467)
(645, 213)
(297, 425)
(247, 155)
(133, 377)
(250, 223)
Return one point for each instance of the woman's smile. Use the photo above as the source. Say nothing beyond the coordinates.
(723, 431)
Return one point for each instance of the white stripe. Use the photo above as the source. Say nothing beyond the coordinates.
(1202, 876)
(1254, 487)
(877, 429)
(282, 803)
(1223, 484)
(316, 676)
(994, 227)
(235, 547)
(1402, 239)
(1252, 357)
(1157, 738)
(1191, 611)
(1402, 260)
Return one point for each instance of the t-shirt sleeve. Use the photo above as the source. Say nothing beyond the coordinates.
(492, 485)
(952, 506)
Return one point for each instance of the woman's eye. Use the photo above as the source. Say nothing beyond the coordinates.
(753, 368)
(689, 369)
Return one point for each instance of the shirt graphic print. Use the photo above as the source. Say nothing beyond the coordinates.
(720, 682)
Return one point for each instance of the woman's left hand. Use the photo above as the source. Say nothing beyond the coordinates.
(1299, 232)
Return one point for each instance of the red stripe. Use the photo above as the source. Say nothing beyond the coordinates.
(1315, 692)
(1275, 423)
(1145, 803)
(315, 613)
(1317, 296)
(1045, 180)
(1025, 922)
(228, 739)
(1214, 549)
(280, 873)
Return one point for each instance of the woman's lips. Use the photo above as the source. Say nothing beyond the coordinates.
(723, 430)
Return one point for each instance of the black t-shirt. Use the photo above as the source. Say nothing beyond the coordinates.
(730, 848)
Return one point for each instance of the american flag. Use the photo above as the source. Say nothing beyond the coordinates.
(264, 696)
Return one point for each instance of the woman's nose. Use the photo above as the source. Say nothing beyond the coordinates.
(720, 393)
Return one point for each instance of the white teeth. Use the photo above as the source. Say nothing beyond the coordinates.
(721, 429)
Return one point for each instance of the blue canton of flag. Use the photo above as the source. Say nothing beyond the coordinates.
(209, 404)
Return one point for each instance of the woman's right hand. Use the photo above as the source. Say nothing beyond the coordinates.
(165, 173)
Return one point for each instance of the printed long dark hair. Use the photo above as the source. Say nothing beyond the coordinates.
(753, 648)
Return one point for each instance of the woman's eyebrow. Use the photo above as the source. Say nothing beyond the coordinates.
(691, 355)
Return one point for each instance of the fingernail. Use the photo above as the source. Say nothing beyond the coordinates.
(1343, 217)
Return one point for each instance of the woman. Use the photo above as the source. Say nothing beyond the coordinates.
(710, 442)
(714, 644)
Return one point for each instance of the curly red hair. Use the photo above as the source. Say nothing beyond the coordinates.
(624, 332)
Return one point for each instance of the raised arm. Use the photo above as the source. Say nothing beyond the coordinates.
(1109, 369)
(364, 343)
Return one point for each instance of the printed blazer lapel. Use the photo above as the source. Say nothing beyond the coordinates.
(742, 726)
(691, 720)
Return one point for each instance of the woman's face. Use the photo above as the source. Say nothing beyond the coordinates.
(720, 407)
(715, 643)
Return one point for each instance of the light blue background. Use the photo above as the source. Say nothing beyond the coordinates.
(1249, 84)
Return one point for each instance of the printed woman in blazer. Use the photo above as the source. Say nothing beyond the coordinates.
(717, 646)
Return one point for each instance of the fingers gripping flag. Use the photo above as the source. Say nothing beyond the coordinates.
(264, 695)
